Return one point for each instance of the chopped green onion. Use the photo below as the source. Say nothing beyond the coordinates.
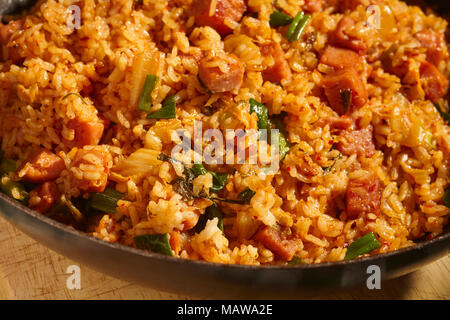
(145, 101)
(297, 26)
(278, 18)
(283, 144)
(158, 243)
(346, 97)
(300, 27)
(293, 26)
(64, 206)
(246, 195)
(295, 261)
(105, 201)
(7, 165)
(14, 189)
(168, 110)
(265, 123)
(362, 246)
(76, 213)
(210, 213)
(446, 198)
(261, 112)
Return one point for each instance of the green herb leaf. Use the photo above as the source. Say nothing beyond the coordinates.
(361, 246)
(261, 112)
(14, 189)
(346, 97)
(219, 181)
(446, 198)
(183, 187)
(233, 201)
(145, 101)
(278, 18)
(158, 243)
(105, 201)
(168, 110)
(246, 195)
(198, 169)
(211, 212)
(166, 158)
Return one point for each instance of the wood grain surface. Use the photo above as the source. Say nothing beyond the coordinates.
(28, 270)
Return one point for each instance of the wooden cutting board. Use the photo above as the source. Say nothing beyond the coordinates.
(29, 270)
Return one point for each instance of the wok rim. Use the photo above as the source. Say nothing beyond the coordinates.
(163, 258)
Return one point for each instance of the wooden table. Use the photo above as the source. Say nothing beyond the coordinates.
(29, 270)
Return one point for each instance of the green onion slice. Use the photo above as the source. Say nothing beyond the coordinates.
(168, 110)
(300, 27)
(105, 201)
(291, 31)
(363, 245)
(283, 144)
(262, 113)
(278, 18)
(145, 101)
(158, 243)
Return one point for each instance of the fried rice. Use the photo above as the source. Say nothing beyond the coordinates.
(363, 109)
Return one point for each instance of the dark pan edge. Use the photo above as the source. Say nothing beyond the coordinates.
(204, 279)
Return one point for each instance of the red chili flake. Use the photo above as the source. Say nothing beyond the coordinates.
(255, 217)
(318, 158)
(288, 168)
(388, 244)
(346, 244)
(331, 142)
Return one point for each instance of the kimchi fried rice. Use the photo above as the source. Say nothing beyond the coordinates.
(93, 93)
